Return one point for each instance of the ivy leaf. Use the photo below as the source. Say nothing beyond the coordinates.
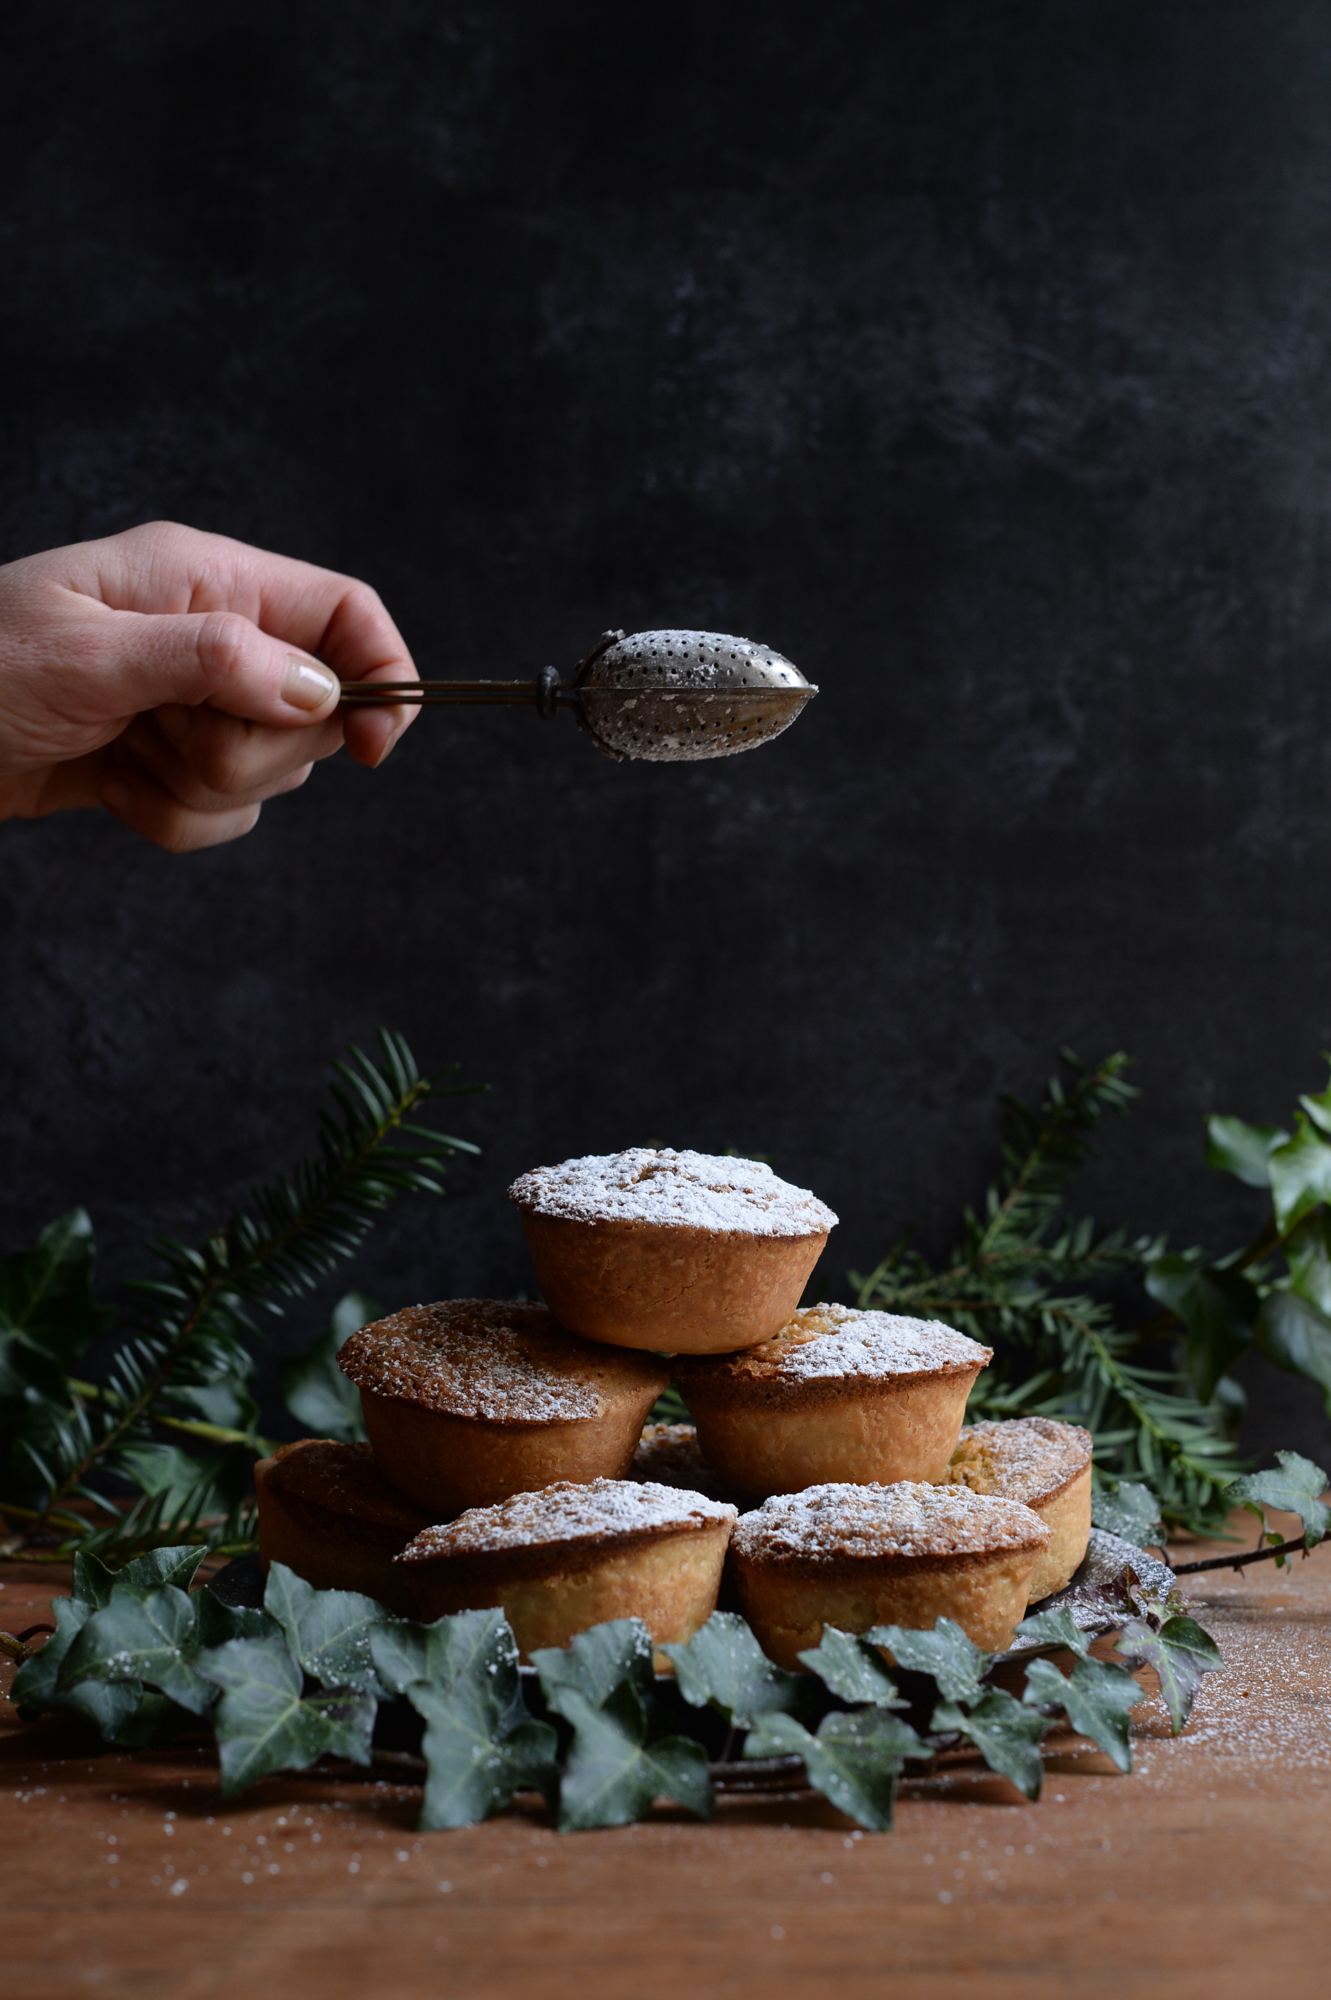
(404, 1653)
(724, 1667)
(264, 1725)
(1053, 1628)
(1005, 1732)
(141, 1638)
(33, 1386)
(852, 1668)
(480, 1744)
(1319, 1108)
(597, 1663)
(1300, 1174)
(956, 1664)
(35, 1687)
(1295, 1488)
(476, 1644)
(476, 1763)
(151, 1571)
(1308, 1248)
(1181, 1653)
(855, 1759)
(107, 1706)
(327, 1630)
(216, 1622)
(1243, 1150)
(314, 1388)
(93, 1583)
(46, 1294)
(1297, 1337)
(612, 1775)
(1217, 1309)
(601, 1684)
(1097, 1697)
(1132, 1512)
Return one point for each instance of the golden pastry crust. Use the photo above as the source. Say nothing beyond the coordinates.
(1046, 1465)
(471, 1400)
(573, 1556)
(856, 1556)
(683, 1253)
(838, 1395)
(327, 1512)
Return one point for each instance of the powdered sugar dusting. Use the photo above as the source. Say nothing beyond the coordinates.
(496, 1360)
(604, 1509)
(1023, 1458)
(908, 1519)
(823, 1343)
(674, 1190)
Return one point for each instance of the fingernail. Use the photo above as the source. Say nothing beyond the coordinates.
(306, 684)
(115, 794)
(395, 733)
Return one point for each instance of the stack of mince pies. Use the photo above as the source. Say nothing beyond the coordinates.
(827, 1474)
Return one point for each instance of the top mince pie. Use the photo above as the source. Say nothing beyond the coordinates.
(683, 1253)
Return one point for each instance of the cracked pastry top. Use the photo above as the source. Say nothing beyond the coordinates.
(1031, 1459)
(1046, 1465)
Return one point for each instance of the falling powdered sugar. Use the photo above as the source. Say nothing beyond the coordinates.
(602, 1510)
(674, 1190)
(909, 1519)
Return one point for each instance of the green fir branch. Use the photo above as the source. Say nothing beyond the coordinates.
(1018, 1281)
(187, 1353)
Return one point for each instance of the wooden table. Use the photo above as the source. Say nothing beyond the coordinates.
(1207, 1873)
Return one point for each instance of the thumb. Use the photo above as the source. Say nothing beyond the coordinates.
(149, 659)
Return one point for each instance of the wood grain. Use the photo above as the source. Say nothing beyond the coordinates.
(1204, 1874)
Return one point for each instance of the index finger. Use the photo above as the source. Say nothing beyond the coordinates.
(164, 567)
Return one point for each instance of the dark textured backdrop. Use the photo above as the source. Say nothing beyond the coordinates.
(975, 355)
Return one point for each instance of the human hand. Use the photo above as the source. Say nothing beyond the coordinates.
(170, 676)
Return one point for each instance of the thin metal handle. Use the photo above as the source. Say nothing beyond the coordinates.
(376, 694)
(546, 692)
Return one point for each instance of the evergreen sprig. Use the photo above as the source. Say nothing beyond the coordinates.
(187, 1354)
(1020, 1280)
